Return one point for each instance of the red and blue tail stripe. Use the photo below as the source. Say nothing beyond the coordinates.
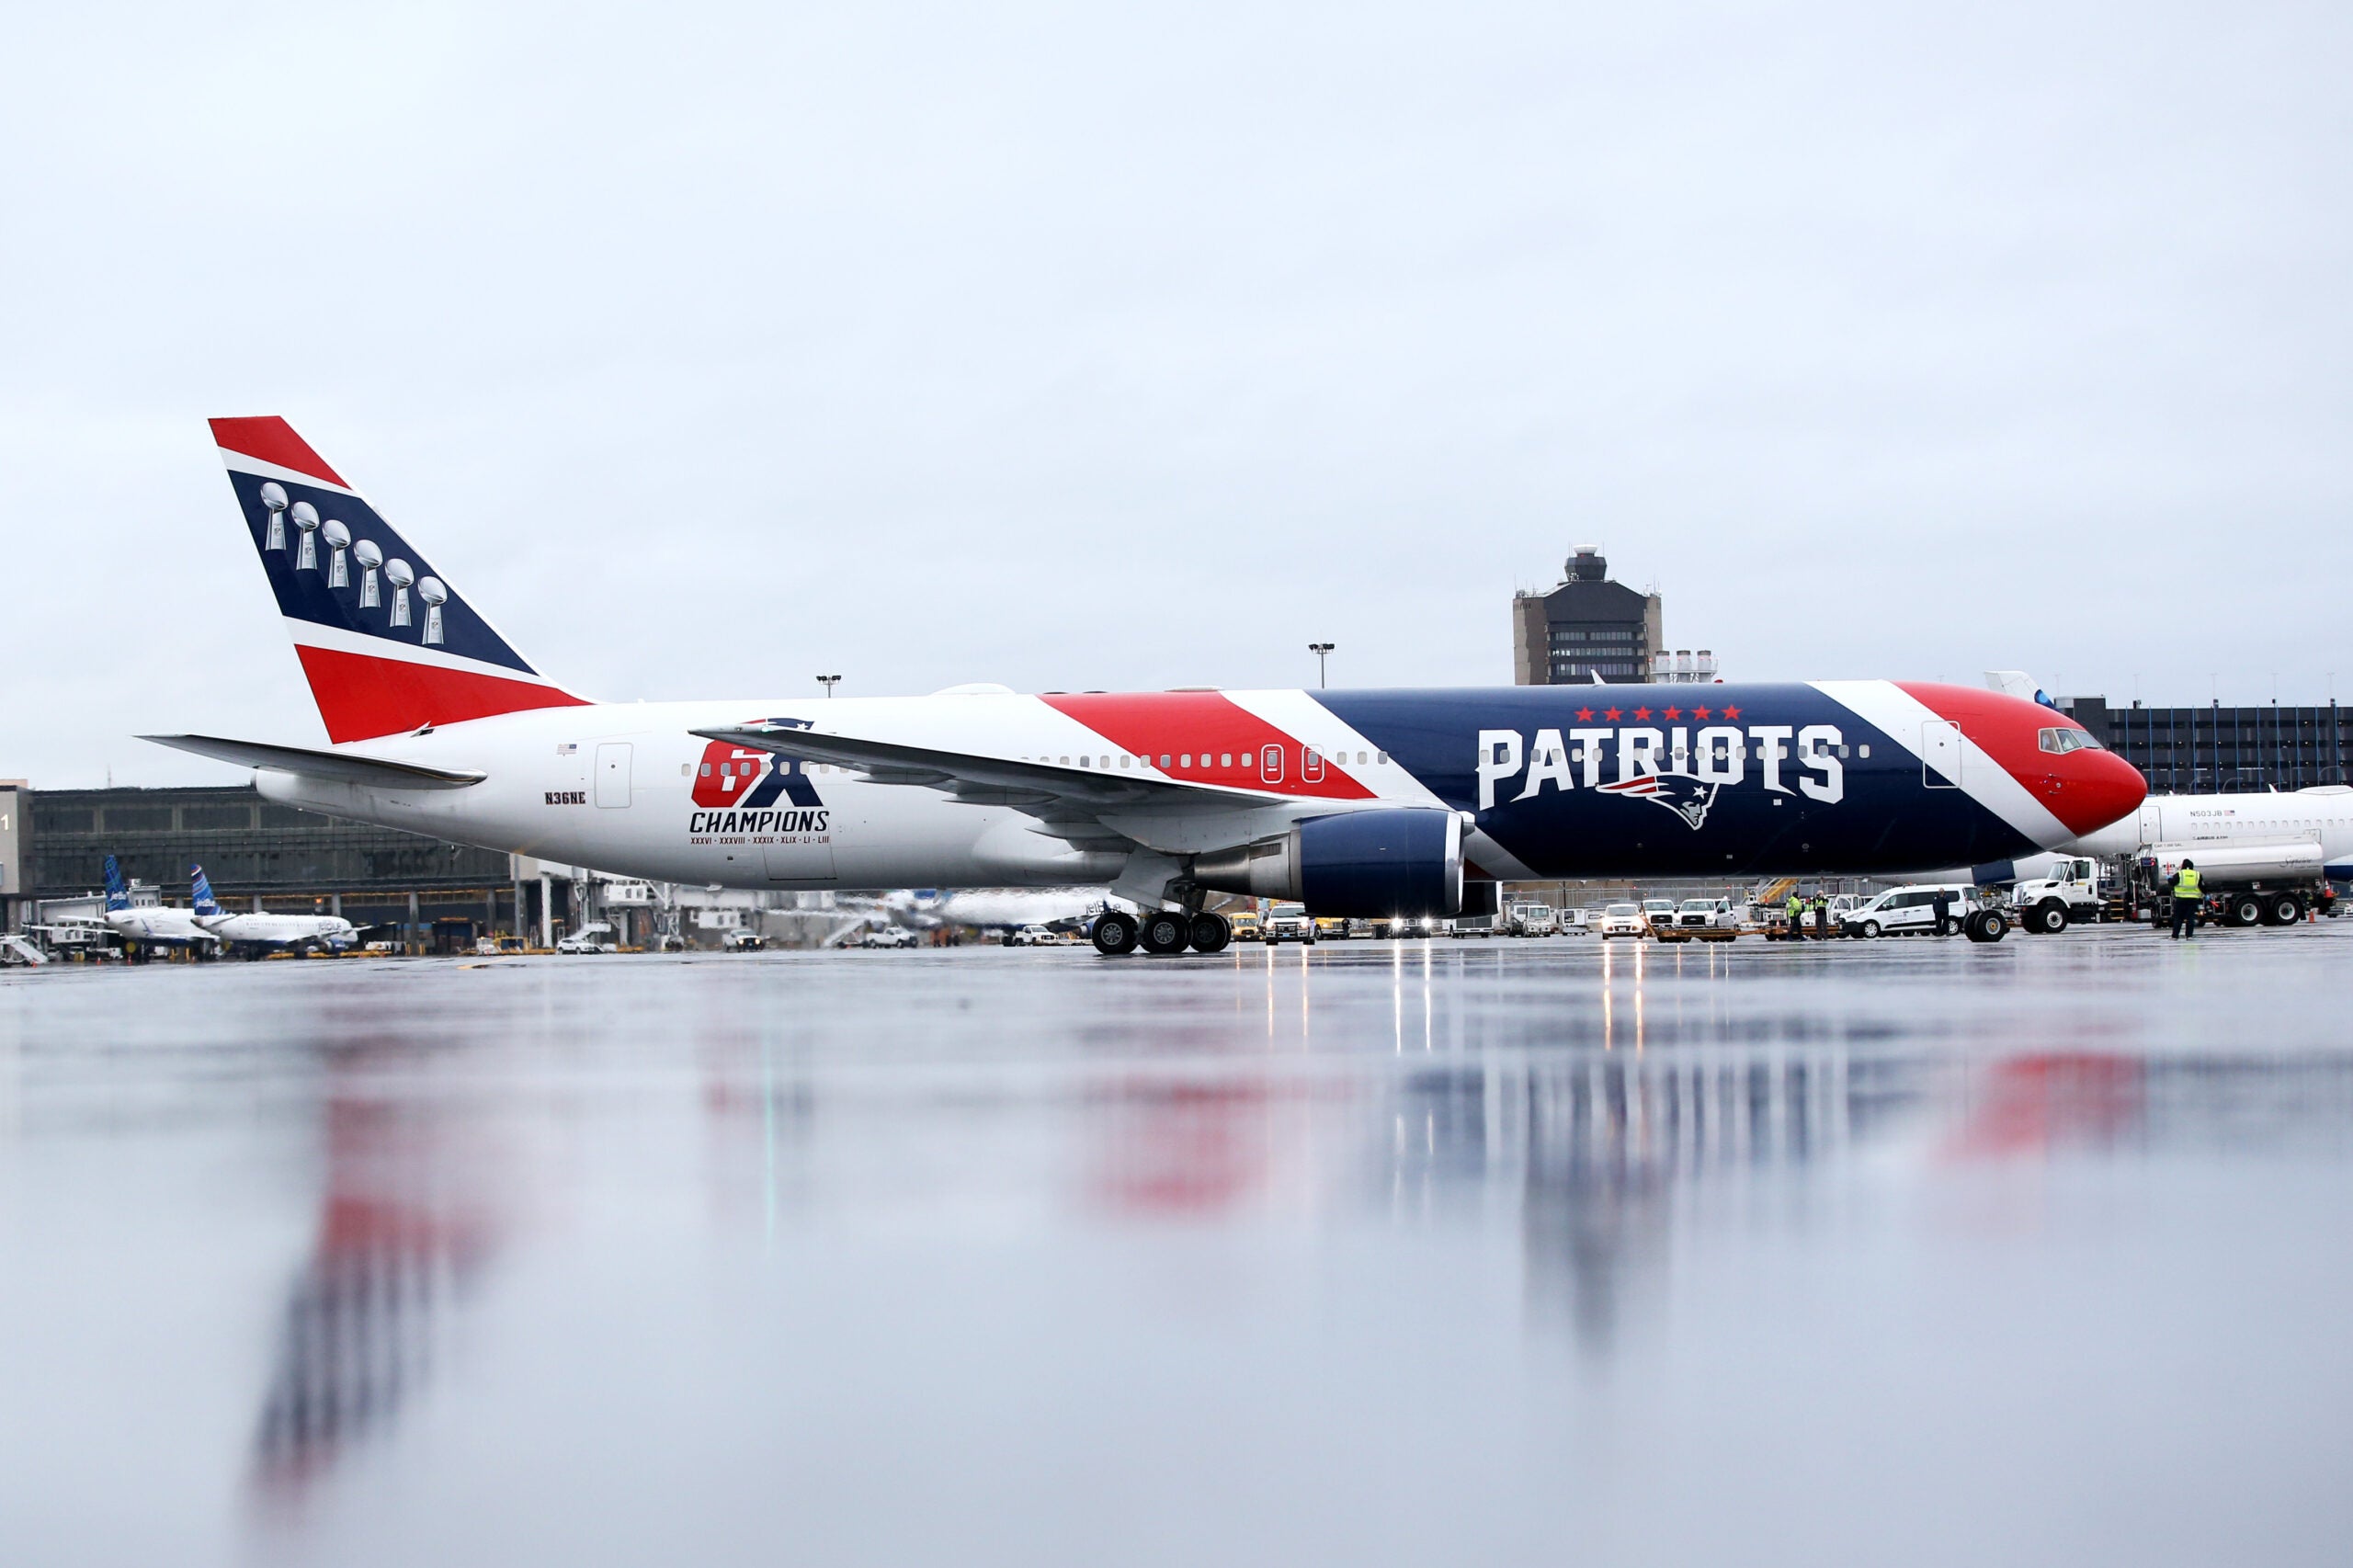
(387, 645)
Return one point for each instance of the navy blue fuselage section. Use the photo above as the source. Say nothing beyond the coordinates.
(1679, 780)
(309, 592)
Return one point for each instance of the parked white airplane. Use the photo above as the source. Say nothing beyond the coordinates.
(263, 930)
(1375, 803)
(158, 925)
(994, 908)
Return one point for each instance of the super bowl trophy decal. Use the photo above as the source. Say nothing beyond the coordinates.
(338, 539)
(306, 519)
(400, 574)
(434, 593)
(273, 496)
(370, 558)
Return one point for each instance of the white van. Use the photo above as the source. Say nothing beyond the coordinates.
(1910, 911)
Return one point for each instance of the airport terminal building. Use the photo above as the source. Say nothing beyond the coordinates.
(258, 854)
(2214, 750)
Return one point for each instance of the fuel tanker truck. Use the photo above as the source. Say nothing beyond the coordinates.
(2263, 859)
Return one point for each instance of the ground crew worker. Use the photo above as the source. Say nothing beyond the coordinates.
(1797, 917)
(1943, 903)
(1821, 918)
(2187, 891)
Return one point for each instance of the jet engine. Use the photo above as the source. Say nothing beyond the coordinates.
(1365, 864)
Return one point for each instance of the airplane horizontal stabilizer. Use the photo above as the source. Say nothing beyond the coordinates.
(344, 767)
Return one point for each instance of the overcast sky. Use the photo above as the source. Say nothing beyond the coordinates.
(707, 349)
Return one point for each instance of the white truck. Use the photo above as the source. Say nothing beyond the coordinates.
(1287, 923)
(2074, 891)
(1533, 920)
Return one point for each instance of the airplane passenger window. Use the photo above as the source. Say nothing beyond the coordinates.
(1863, 751)
(1380, 758)
(1123, 759)
(1186, 761)
(706, 770)
(1065, 762)
(1226, 759)
(1163, 759)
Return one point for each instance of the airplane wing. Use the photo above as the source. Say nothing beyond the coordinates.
(1068, 802)
(346, 767)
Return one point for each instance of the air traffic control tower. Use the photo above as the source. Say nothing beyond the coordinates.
(1587, 626)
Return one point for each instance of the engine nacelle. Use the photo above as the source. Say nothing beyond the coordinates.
(1366, 864)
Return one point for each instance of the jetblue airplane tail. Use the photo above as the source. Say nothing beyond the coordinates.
(205, 902)
(387, 645)
(117, 896)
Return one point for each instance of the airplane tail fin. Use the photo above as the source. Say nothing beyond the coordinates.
(118, 895)
(387, 645)
(205, 902)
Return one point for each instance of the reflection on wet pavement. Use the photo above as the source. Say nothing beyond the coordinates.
(1519, 1250)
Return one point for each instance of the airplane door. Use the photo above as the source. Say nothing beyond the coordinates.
(1940, 754)
(612, 774)
(1311, 765)
(1270, 764)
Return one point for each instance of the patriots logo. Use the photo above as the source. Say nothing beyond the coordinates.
(1687, 797)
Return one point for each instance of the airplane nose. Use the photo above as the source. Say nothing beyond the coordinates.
(2088, 789)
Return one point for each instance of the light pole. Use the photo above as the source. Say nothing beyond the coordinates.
(1320, 650)
(829, 682)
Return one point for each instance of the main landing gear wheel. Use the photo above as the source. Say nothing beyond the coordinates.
(1986, 925)
(1164, 932)
(1114, 933)
(1211, 933)
(2047, 918)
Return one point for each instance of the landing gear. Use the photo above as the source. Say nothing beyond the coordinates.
(1211, 933)
(1114, 933)
(1985, 926)
(1164, 932)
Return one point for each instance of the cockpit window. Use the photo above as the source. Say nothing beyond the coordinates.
(2063, 741)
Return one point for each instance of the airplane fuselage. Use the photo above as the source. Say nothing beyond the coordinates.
(1829, 778)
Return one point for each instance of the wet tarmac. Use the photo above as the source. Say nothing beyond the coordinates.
(1495, 1252)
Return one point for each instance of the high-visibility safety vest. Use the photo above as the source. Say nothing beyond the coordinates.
(2184, 883)
(1797, 907)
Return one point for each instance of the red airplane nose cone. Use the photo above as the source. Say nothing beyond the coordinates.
(2088, 789)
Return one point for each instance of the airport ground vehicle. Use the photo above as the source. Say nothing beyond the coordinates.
(1533, 920)
(1911, 911)
(2263, 858)
(2075, 890)
(1624, 920)
(1658, 912)
(889, 937)
(1244, 923)
(1032, 936)
(1706, 913)
(1286, 922)
(741, 940)
(594, 937)
(1370, 803)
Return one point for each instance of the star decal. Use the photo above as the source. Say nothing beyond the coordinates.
(1641, 712)
(1730, 711)
(1701, 714)
(1674, 712)
(1584, 714)
(1610, 713)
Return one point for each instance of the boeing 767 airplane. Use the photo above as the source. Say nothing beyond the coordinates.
(1374, 803)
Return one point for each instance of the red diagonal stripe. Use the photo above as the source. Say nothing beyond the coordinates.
(273, 441)
(1150, 724)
